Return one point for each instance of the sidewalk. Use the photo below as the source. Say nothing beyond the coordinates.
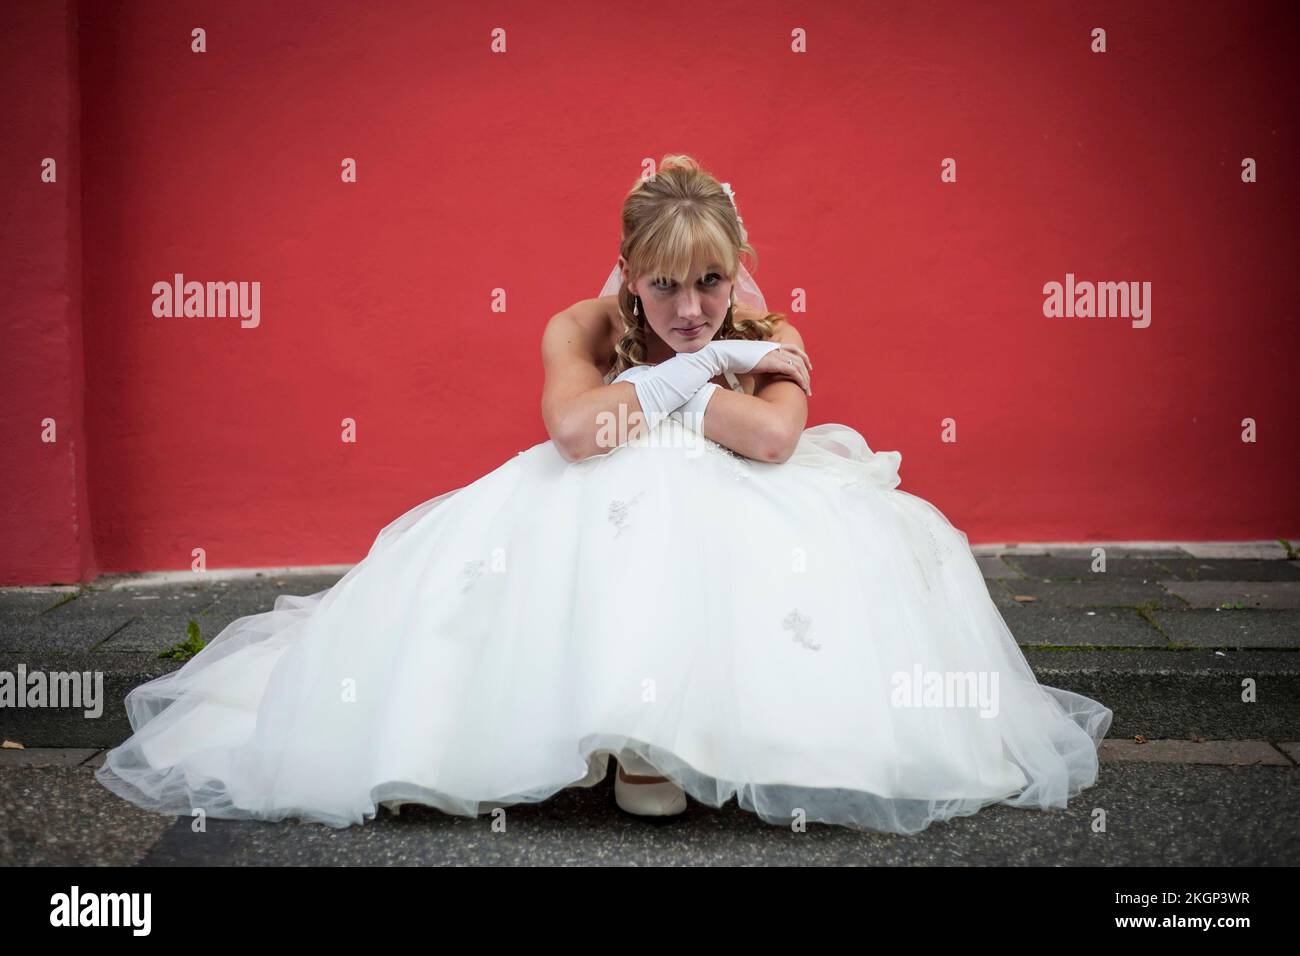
(1166, 637)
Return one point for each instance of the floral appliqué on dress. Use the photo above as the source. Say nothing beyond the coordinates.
(937, 550)
(471, 572)
(799, 624)
(618, 510)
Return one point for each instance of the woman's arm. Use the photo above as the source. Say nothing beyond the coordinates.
(585, 417)
(764, 426)
(581, 413)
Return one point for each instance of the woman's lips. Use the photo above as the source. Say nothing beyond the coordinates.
(692, 331)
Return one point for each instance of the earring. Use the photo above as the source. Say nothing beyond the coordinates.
(636, 305)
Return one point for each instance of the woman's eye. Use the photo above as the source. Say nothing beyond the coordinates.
(709, 285)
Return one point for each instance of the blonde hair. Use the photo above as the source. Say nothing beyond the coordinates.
(679, 216)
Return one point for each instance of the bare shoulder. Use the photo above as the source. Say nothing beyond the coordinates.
(785, 332)
(582, 328)
(608, 319)
(782, 329)
(591, 314)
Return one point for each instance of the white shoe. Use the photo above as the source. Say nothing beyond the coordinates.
(639, 789)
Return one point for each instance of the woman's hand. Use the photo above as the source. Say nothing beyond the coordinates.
(790, 361)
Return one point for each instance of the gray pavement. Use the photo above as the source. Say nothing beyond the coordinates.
(1168, 637)
(1158, 810)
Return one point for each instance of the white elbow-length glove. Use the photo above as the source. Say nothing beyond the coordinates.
(665, 387)
(692, 413)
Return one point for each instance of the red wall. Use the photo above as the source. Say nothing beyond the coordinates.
(45, 516)
(479, 170)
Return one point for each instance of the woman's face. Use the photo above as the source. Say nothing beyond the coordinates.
(685, 316)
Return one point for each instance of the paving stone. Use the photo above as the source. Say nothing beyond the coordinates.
(1226, 753)
(1234, 549)
(1190, 693)
(1044, 568)
(1111, 592)
(50, 634)
(1084, 551)
(158, 625)
(134, 602)
(1254, 627)
(44, 757)
(68, 726)
(1077, 627)
(992, 566)
(1210, 594)
(152, 634)
(63, 816)
(1156, 815)
(243, 598)
(26, 603)
(1222, 569)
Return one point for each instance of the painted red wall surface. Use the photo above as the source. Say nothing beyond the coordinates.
(45, 516)
(482, 170)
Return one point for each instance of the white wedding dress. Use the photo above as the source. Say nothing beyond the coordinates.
(794, 635)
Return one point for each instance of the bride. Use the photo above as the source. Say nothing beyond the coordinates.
(684, 578)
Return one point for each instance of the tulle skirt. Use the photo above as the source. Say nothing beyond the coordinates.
(803, 637)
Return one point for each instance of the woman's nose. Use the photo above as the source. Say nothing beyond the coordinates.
(688, 306)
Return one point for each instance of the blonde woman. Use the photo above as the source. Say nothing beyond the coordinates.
(684, 577)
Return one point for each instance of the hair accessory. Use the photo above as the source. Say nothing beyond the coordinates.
(745, 290)
(731, 194)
